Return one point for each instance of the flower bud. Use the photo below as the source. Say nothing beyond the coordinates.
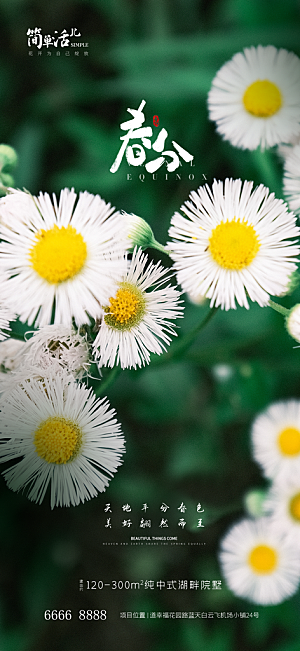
(137, 231)
(254, 502)
(8, 157)
(292, 322)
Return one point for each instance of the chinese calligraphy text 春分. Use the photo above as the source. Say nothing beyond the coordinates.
(135, 153)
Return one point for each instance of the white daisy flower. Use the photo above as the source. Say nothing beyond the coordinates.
(255, 98)
(259, 563)
(283, 506)
(69, 440)
(276, 440)
(60, 258)
(58, 347)
(234, 243)
(291, 179)
(136, 321)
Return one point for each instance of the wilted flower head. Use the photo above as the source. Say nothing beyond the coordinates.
(59, 347)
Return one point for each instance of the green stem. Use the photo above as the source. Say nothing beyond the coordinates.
(279, 308)
(105, 384)
(159, 247)
(181, 346)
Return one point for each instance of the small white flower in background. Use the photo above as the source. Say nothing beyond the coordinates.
(292, 322)
(276, 440)
(196, 298)
(137, 321)
(11, 354)
(283, 507)
(59, 256)
(70, 441)
(222, 372)
(59, 347)
(255, 98)
(231, 244)
(291, 179)
(259, 563)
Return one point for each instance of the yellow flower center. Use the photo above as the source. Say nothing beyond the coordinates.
(295, 507)
(57, 440)
(233, 244)
(263, 559)
(126, 309)
(262, 99)
(58, 254)
(289, 441)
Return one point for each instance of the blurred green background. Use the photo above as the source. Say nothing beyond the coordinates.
(186, 421)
